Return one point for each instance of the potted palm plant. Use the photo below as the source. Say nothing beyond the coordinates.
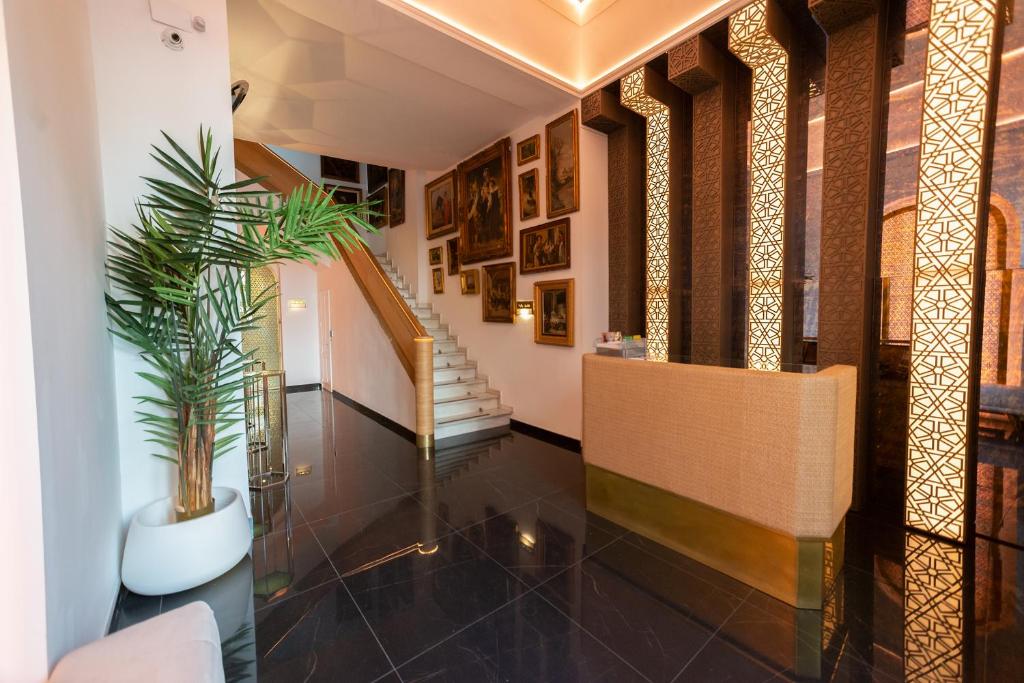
(181, 295)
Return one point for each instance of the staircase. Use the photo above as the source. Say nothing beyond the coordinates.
(465, 407)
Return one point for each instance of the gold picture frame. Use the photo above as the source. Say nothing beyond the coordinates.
(469, 280)
(437, 279)
(453, 256)
(396, 197)
(529, 195)
(499, 293)
(442, 205)
(528, 150)
(378, 200)
(435, 256)
(484, 183)
(554, 312)
(562, 146)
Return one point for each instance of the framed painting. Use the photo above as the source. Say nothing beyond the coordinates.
(545, 247)
(437, 277)
(396, 197)
(379, 206)
(453, 256)
(345, 170)
(485, 211)
(435, 256)
(470, 281)
(345, 195)
(529, 204)
(563, 162)
(441, 208)
(554, 312)
(376, 177)
(499, 288)
(528, 150)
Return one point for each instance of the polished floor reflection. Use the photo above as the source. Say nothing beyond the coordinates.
(484, 565)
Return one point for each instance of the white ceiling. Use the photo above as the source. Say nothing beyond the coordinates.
(358, 79)
(577, 11)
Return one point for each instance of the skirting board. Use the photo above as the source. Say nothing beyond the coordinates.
(297, 388)
(789, 569)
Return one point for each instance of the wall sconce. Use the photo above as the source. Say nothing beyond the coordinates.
(524, 310)
(527, 541)
(296, 304)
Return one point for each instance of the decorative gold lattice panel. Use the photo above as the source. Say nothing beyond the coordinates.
(265, 339)
(634, 97)
(751, 41)
(933, 610)
(953, 138)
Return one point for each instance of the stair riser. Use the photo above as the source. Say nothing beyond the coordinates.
(445, 346)
(448, 360)
(453, 374)
(443, 410)
(467, 426)
(470, 387)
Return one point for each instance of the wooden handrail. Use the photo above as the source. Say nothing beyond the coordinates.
(407, 334)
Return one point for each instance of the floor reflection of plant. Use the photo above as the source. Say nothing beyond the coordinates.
(238, 653)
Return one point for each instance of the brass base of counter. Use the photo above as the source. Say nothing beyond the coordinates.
(790, 569)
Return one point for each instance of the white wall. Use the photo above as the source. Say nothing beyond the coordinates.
(54, 114)
(142, 87)
(407, 244)
(299, 327)
(23, 600)
(541, 383)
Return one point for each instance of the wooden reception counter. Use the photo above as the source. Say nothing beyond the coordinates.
(749, 472)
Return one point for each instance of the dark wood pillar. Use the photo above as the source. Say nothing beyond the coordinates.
(698, 68)
(626, 258)
(850, 208)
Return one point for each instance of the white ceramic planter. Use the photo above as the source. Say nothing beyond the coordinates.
(163, 556)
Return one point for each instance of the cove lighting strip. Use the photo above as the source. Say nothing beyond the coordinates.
(750, 40)
(961, 40)
(656, 114)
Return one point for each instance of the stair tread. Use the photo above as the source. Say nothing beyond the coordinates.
(500, 411)
(472, 396)
(468, 365)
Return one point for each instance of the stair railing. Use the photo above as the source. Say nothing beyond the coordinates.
(413, 345)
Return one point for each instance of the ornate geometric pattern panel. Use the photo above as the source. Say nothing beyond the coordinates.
(265, 339)
(846, 179)
(635, 97)
(707, 282)
(750, 40)
(933, 610)
(953, 137)
(897, 271)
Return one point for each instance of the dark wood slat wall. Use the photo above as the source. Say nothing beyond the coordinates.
(626, 252)
(851, 196)
(697, 67)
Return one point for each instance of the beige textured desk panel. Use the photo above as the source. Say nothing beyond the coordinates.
(773, 448)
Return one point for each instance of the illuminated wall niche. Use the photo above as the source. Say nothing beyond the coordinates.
(751, 39)
(634, 97)
(950, 182)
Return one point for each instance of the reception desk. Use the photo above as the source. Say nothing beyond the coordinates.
(749, 472)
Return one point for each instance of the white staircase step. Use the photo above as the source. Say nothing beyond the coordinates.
(461, 372)
(423, 310)
(460, 388)
(450, 360)
(440, 336)
(445, 345)
(433, 322)
(466, 405)
(458, 425)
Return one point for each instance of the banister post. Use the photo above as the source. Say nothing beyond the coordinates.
(424, 384)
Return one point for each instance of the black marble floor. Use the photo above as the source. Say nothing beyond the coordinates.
(484, 565)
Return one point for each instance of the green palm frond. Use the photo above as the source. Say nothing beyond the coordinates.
(180, 282)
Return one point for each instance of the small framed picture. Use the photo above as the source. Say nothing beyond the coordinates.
(499, 289)
(344, 195)
(554, 312)
(529, 206)
(437, 276)
(345, 170)
(376, 177)
(528, 150)
(396, 197)
(441, 205)
(435, 256)
(470, 281)
(563, 163)
(545, 247)
(379, 205)
(453, 256)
